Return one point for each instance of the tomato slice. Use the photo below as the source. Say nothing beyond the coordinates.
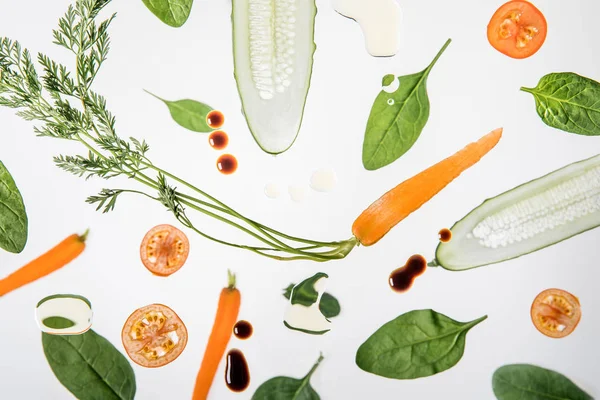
(517, 29)
(555, 313)
(164, 250)
(154, 335)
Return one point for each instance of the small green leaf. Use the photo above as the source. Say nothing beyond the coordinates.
(414, 345)
(58, 322)
(529, 382)
(569, 102)
(329, 305)
(89, 366)
(190, 114)
(304, 293)
(172, 12)
(397, 118)
(387, 80)
(13, 217)
(285, 388)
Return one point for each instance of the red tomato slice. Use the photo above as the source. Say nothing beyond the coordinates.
(517, 29)
(154, 335)
(555, 313)
(164, 250)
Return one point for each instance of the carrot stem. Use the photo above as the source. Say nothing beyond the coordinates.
(410, 195)
(56, 258)
(227, 313)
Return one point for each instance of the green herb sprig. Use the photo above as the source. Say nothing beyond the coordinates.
(64, 106)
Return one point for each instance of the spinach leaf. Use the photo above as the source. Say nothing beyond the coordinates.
(172, 12)
(329, 306)
(414, 345)
(305, 293)
(13, 218)
(190, 114)
(397, 118)
(89, 366)
(569, 102)
(58, 322)
(285, 388)
(529, 382)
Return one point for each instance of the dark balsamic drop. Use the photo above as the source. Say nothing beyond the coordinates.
(243, 330)
(237, 374)
(227, 164)
(218, 140)
(445, 235)
(215, 119)
(402, 279)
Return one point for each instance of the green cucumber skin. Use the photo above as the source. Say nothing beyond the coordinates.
(440, 262)
(309, 77)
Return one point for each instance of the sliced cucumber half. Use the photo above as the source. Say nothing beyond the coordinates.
(273, 47)
(532, 216)
(64, 314)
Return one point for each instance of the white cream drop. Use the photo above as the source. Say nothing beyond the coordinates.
(379, 21)
(323, 180)
(297, 193)
(272, 190)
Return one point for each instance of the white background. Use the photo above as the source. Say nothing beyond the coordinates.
(473, 89)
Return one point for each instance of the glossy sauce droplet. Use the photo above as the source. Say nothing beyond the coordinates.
(227, 164)
(272, 190)
(402, 279)
(218, 140)
(323, 180)
(237, 374)
(445, 235)
(243, 330)
(215, 119)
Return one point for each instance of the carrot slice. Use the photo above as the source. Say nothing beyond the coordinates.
(410, 195)
(56, 258)
(227, 313)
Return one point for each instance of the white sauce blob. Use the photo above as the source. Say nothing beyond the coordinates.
(297, 193)
(73, 309)
(308, 318)
(379, 21)
(272, 190)
(323, 180)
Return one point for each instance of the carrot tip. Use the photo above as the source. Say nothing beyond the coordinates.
(230, 280)
(83, 237)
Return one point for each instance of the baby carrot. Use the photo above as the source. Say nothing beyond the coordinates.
(56, 258)
(227, 313)
(407, 197)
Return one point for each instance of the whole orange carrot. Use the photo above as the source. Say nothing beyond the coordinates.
(56, 258)
(407, 197)
(227, 313)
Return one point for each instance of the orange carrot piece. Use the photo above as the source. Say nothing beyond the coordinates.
(56, 258)
(410, 195)
(227, 313)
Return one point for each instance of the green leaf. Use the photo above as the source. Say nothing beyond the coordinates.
(387, 80)
(304, 293)
(397, 118)
(58, 322)
(89, 366)
(13, 217)
(285, 388)
(414, 345)
(329, 306)
(190, 114)
(569, 102)
(529, 382)
(172, 12)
